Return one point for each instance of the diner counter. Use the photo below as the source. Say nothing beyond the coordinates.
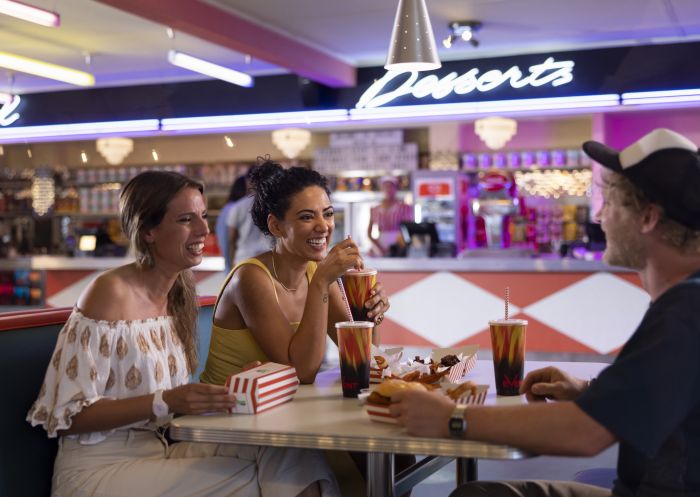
(468, 264)
(572, 306)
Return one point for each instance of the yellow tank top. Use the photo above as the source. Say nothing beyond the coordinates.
(230, 350)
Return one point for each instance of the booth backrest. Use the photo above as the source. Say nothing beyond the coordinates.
(26, 344)
(26, 453)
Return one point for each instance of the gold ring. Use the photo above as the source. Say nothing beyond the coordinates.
(379, 319)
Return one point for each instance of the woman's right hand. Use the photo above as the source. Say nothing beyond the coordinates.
(343, 256)
(199, 398)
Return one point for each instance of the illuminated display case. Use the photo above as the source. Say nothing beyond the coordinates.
(440, 197)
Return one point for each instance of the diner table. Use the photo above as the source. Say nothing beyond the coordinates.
(320, 417)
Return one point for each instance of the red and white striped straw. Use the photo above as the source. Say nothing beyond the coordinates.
(507, 300)
(345, 299)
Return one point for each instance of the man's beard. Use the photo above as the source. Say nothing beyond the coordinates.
(625, 249)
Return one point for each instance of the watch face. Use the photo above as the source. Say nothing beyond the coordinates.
(458, 426)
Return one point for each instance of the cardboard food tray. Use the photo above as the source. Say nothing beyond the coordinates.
(263, 387)
(459, 370)
(375, 373)
(381, 414)
(468, 355)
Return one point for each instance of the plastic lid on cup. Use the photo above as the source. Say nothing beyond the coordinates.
(361, 272)
(354, 324)
(508, 321)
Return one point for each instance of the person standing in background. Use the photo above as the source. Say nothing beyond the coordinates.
(387, 217)
(245, 240)
(238, 191)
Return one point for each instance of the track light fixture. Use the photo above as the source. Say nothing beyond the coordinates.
(462, 30)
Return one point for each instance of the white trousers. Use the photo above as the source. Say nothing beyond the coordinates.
(131, 463)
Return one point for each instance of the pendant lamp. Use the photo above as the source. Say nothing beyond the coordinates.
(412, 46)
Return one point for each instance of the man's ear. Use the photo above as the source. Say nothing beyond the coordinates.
(650, 218)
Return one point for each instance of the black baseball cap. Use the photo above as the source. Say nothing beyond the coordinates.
(664, 165)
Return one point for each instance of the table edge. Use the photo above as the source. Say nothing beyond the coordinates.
(414, 445)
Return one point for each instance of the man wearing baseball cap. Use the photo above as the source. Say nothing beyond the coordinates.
(648, 400)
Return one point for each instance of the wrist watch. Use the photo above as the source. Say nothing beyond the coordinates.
(457, 425)
(160, 408)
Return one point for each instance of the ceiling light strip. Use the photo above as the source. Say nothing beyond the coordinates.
(497, 106)
(29, 13)
(45, 69)
(254, 120)
(7, 135)
(209, 69)
(661, 97)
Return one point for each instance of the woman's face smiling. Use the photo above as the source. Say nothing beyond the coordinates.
(178, 241)
(308, 223)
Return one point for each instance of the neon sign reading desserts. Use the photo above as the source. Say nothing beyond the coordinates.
(7, 111)
(552, 72)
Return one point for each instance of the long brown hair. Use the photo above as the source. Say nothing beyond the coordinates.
(142, 206)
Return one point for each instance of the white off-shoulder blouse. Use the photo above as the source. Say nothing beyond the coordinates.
(94, 360)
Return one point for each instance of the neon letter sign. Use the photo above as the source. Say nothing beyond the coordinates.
(7, 111)
(548, 72)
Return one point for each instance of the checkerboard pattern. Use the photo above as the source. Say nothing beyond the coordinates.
(567, 312)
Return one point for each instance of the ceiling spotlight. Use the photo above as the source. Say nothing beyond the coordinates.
(463, 30)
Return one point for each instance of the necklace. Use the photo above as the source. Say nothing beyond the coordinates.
(274, 270)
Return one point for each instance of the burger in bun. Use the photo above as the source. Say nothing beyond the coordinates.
(381, 395)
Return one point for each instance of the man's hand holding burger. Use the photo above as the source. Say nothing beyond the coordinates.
(423, 413)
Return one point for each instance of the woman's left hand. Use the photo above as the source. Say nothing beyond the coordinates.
(378, 304)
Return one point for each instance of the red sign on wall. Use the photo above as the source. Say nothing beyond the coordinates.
(435, 189)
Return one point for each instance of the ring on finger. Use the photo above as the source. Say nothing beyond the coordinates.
(379, 319)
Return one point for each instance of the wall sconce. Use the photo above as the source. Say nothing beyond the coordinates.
(462, 30)
(412, 46)
(115, 149)
(495, 132)
(291, 141)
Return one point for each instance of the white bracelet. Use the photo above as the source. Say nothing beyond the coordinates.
(160, 407)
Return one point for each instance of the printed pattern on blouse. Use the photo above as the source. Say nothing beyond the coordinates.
(93, 360)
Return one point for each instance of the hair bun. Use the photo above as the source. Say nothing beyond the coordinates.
(265, 171)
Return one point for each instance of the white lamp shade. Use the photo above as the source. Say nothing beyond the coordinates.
(412, 46)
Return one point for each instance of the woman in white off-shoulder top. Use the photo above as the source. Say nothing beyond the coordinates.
(122, 365)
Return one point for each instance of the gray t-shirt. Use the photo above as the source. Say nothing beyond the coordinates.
(251, 240)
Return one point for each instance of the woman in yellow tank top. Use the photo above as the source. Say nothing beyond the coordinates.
(281, 305)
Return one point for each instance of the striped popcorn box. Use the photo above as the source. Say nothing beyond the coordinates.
(262, 388)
